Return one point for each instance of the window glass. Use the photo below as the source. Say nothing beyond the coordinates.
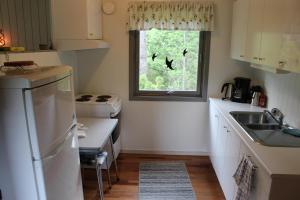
(168, 60)
(168, 65)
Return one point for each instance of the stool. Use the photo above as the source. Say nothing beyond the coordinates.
(100, 159)
(91, 158)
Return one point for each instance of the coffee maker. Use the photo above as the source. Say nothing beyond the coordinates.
(241, 90)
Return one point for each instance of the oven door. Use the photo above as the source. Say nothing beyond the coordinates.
(116, 133)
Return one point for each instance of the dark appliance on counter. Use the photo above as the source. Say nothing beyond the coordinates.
(241, 91)
(227, 89)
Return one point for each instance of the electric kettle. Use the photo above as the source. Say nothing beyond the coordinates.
(228, 87)
(255, 98)
(256, 92)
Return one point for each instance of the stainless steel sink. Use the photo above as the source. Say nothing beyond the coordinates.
(264, 129)
(263, 126)
(254, 117)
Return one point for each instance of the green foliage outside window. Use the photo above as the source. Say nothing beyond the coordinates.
(154, 75)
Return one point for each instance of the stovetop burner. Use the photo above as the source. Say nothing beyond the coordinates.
(104, 97)
(94, 98)
(101, 100)
(82, 99)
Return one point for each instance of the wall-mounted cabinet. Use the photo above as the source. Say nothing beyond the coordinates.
(290, 51)
(239, 29)
(266, 33)
(254, 35)
(77, 24)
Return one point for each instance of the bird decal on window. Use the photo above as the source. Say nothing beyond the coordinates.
(184, 52)
(154, 56)
(169, 63)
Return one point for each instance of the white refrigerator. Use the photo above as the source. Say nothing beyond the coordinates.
(39, 157)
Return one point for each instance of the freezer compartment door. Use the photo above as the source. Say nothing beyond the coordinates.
(58, 175)
(50, 111)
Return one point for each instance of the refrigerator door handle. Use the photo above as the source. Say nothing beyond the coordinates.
(60, 146)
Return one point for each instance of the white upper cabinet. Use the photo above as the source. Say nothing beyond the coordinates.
(77, 25)
(275, 25)
(290, 51)
(239, 29)
(272, 38)
(94, 17)
(76, 19)
(254, 35)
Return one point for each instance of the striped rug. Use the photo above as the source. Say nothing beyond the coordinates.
(164, 181)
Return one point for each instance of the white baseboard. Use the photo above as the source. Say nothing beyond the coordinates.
(185, 153)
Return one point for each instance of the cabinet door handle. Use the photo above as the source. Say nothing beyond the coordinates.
(261, 59)
(225, 126)
(242, 56)
(228, 131)
(255, 58)
(216, 116)
(282, 63)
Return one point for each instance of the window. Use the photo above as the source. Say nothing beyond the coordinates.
(169, 65)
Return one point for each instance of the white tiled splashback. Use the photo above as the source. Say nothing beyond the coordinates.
(283, 91)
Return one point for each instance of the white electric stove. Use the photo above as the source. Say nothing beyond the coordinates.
(102, 106)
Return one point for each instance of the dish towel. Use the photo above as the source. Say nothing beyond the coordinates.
(81, 133)
(81, 130)
(244, 178)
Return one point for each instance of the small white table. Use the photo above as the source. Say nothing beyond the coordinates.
(99, 132)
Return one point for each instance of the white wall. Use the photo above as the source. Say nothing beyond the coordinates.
(283, 91)
(178, 127)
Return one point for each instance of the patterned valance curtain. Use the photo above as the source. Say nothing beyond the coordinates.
(171, 15)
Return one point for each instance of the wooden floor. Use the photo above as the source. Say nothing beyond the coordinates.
(202, 175)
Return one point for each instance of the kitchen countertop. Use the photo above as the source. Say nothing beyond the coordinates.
(277, 161)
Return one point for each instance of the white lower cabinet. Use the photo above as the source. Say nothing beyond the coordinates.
(231, 162)
(220, 141)
(214, 124)
(262, 180)
(227, 149)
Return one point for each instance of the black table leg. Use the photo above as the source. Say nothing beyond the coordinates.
(114, 157)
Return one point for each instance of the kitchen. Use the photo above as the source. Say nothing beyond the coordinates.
(167, 127)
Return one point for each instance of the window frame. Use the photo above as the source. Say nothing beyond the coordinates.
(202, 78)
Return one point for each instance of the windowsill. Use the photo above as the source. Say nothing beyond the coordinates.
(168, 98)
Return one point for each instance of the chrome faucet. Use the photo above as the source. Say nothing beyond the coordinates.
(278, 116)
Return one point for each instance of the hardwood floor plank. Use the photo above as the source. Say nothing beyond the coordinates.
(202, 175)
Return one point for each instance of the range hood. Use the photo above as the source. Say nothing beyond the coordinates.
(79, 44)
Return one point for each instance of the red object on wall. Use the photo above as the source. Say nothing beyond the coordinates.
(262, 102)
